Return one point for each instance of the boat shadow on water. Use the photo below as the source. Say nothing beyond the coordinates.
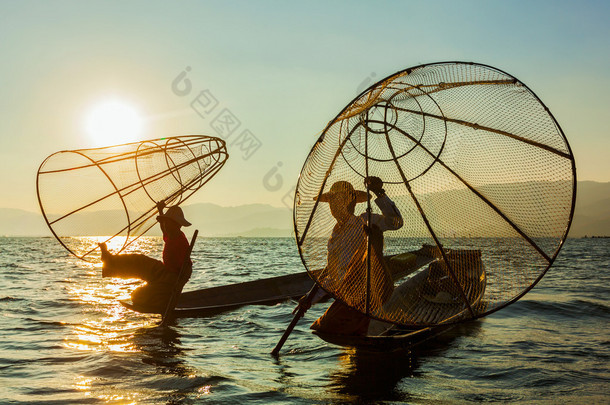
(165, 375)
(366, 375)
(161, 346)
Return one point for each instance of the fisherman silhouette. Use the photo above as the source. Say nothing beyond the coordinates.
(346, 269)
(161, 276)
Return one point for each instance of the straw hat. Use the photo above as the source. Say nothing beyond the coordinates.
(345, 190)
(176, 215)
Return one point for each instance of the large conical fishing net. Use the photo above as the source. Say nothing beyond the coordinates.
(113, 191)
(479, 169)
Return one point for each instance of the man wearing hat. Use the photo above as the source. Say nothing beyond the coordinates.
(161, 276)
(346, 269)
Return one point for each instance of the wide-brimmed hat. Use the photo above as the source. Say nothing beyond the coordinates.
(344, 189)
(176, 215)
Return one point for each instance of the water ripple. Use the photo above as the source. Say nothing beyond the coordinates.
(65, 339)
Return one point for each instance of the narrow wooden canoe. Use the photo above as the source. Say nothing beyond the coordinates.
(399, 339)
(269, 291)
(210, 301)
(430, 315)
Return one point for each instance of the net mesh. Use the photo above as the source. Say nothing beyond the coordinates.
(113, 191)
(481, 173)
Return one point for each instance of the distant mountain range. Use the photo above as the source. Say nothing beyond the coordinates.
(252, 220)
(592, 218)
(592, 214)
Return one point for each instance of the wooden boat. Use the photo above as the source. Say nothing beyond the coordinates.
(426, 291)
(269, 291)
(210, 301)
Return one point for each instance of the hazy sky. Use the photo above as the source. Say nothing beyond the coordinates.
(284, 69)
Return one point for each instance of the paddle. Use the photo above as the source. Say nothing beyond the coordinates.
(301, 309)
(171, 304)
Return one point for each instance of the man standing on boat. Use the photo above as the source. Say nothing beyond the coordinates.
(161, 276)
(350, 256)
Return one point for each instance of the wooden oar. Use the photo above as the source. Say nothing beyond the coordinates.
(300, 312)
(171, 304)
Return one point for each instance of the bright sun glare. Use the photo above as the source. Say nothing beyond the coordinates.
(113, 122)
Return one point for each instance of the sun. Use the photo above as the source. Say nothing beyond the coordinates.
(113, 122)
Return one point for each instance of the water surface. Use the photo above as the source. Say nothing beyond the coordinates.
(65, 338)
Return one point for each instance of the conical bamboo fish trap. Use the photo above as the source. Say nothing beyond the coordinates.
(475, 163)
(113, 191)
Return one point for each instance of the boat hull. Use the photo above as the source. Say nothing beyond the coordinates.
(431, 317)
(269, 291)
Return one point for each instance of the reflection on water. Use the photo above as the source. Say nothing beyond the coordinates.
(66, 339)
(371, 376)
(375, 376)
(105, 326)
(143, 341)
(160, 346)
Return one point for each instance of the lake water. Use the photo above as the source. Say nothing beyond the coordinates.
(65, 338)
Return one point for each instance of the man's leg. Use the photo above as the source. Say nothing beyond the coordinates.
(133, 266)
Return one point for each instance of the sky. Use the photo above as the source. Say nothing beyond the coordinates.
(283, 69)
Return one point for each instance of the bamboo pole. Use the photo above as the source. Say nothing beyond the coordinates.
(301, 309)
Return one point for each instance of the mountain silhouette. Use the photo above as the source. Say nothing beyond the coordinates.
(591, 217)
